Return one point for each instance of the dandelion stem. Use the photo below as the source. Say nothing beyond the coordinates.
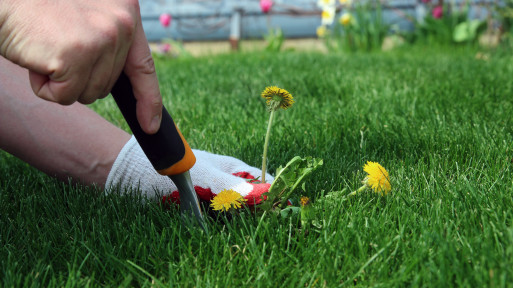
(358, 191)
(266, 144)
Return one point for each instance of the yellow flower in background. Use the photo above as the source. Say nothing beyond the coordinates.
(328, 14)
(227, 199)
(307, 212)
(304, 201)
(345, 19)
(377, 178)
(321, 31)
(277, 98)
(345, 2)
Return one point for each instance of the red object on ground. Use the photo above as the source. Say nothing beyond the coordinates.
(253, 198)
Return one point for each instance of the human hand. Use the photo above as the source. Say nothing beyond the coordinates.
(214, 173)
(210, 175)
(75, 51)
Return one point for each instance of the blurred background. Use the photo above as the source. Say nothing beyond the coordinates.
(337, 24)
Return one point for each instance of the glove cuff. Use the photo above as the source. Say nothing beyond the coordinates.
(133, 171)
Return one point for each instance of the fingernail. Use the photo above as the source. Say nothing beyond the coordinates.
(155, 123)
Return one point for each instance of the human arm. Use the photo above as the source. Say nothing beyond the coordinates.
(75, 50)
(73, 142)
(62, 141)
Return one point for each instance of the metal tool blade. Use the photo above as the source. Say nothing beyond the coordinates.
(189, 203)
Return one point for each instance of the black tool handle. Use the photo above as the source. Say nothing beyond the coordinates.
(167, 150)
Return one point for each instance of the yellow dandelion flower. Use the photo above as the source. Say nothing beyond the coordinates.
(227, 199)
(277, 98)
(377, 178)
(345, 19)
(304, 201)
(321, 31)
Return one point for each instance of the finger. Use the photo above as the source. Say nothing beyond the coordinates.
(105, 71)
(119, 64)
(231, 165)
(96, 82)
(227, 164)
(140, 69)
(64, 91)
(117, 60)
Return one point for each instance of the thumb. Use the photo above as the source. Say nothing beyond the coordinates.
(140, 69)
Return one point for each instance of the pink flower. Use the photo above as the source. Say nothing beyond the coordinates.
(426, 1)
(266, 5)
(437, 12)
(165, 20)
(165, 48)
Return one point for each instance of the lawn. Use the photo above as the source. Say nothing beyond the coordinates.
(440, 121)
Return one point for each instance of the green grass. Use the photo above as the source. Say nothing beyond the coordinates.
(440, 122)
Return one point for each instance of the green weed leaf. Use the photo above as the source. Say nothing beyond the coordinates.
(287, 179)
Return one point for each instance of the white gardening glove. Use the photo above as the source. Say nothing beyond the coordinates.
(210, 175)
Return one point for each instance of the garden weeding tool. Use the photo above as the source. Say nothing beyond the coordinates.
(167, 150)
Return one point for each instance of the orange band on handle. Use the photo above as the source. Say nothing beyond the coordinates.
(184, 164)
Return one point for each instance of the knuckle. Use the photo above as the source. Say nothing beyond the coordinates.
(106, 34)
(110, 33)
(153, 102)
(126, 21)
(106, 91)
(127, 18)
(99, 89)
(77, 46)
(147, 65)
(133, 4)
(86, 99)
(156, 102)
(63, 100)
(57, 67)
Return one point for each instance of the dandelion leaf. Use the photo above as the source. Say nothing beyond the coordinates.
(287, 179)
(290, 211)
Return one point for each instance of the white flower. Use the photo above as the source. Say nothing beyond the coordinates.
(325, 3)
(328, 14)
